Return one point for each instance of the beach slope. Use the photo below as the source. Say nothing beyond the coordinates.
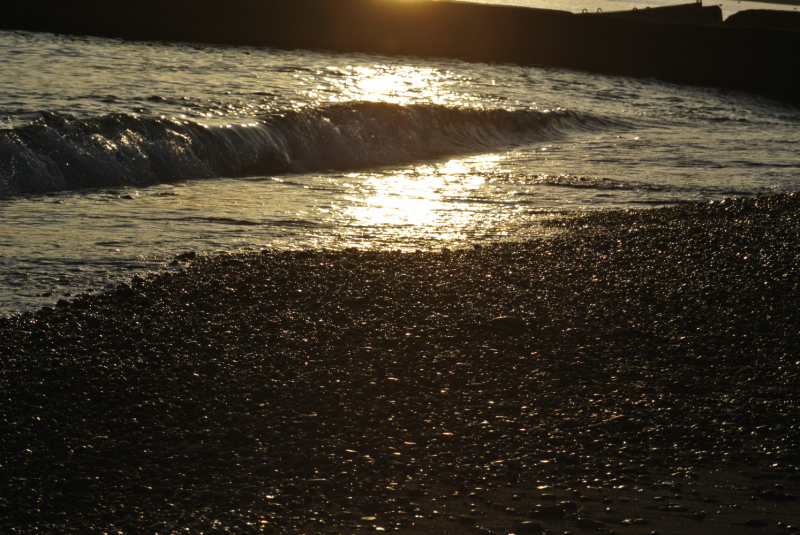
(635, 373)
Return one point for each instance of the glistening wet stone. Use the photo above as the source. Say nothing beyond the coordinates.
(668, 353)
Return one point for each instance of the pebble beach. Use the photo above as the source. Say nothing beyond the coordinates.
(635, 372)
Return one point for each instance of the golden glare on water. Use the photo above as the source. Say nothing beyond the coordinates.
(434, 201)
(395, 84)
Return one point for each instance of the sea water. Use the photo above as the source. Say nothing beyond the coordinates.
(115, 156)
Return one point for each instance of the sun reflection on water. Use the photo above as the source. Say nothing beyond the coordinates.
(395, 84)
(443, 202)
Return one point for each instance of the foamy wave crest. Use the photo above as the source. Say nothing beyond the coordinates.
(57, 152)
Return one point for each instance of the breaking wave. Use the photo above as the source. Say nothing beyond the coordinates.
(58, 152)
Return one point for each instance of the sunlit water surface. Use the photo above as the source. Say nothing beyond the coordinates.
(624, 143)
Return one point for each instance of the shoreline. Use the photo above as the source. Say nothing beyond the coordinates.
(638, 361)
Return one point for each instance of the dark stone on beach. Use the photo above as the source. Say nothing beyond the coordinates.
(261, 468)
(320, 483)
(292, 489)
(528, 527)
(189, 255)
(588, 523)
(246, 497)
(510, 323)
(547, 512)
(235, 436)
(754, 524)
(568, 506)
(124, 291)
(636, 522)
(778, 496)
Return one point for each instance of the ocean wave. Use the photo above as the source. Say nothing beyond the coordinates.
(58, 152)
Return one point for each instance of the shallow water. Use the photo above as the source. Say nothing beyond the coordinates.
(116, 156)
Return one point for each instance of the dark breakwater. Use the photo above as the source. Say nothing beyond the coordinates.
(753, 59)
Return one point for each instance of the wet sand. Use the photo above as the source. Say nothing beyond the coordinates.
(636, 373)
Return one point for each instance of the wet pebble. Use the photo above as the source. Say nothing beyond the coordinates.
(754, 523)
(284, 385)
(591, 524)
(528, 527)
